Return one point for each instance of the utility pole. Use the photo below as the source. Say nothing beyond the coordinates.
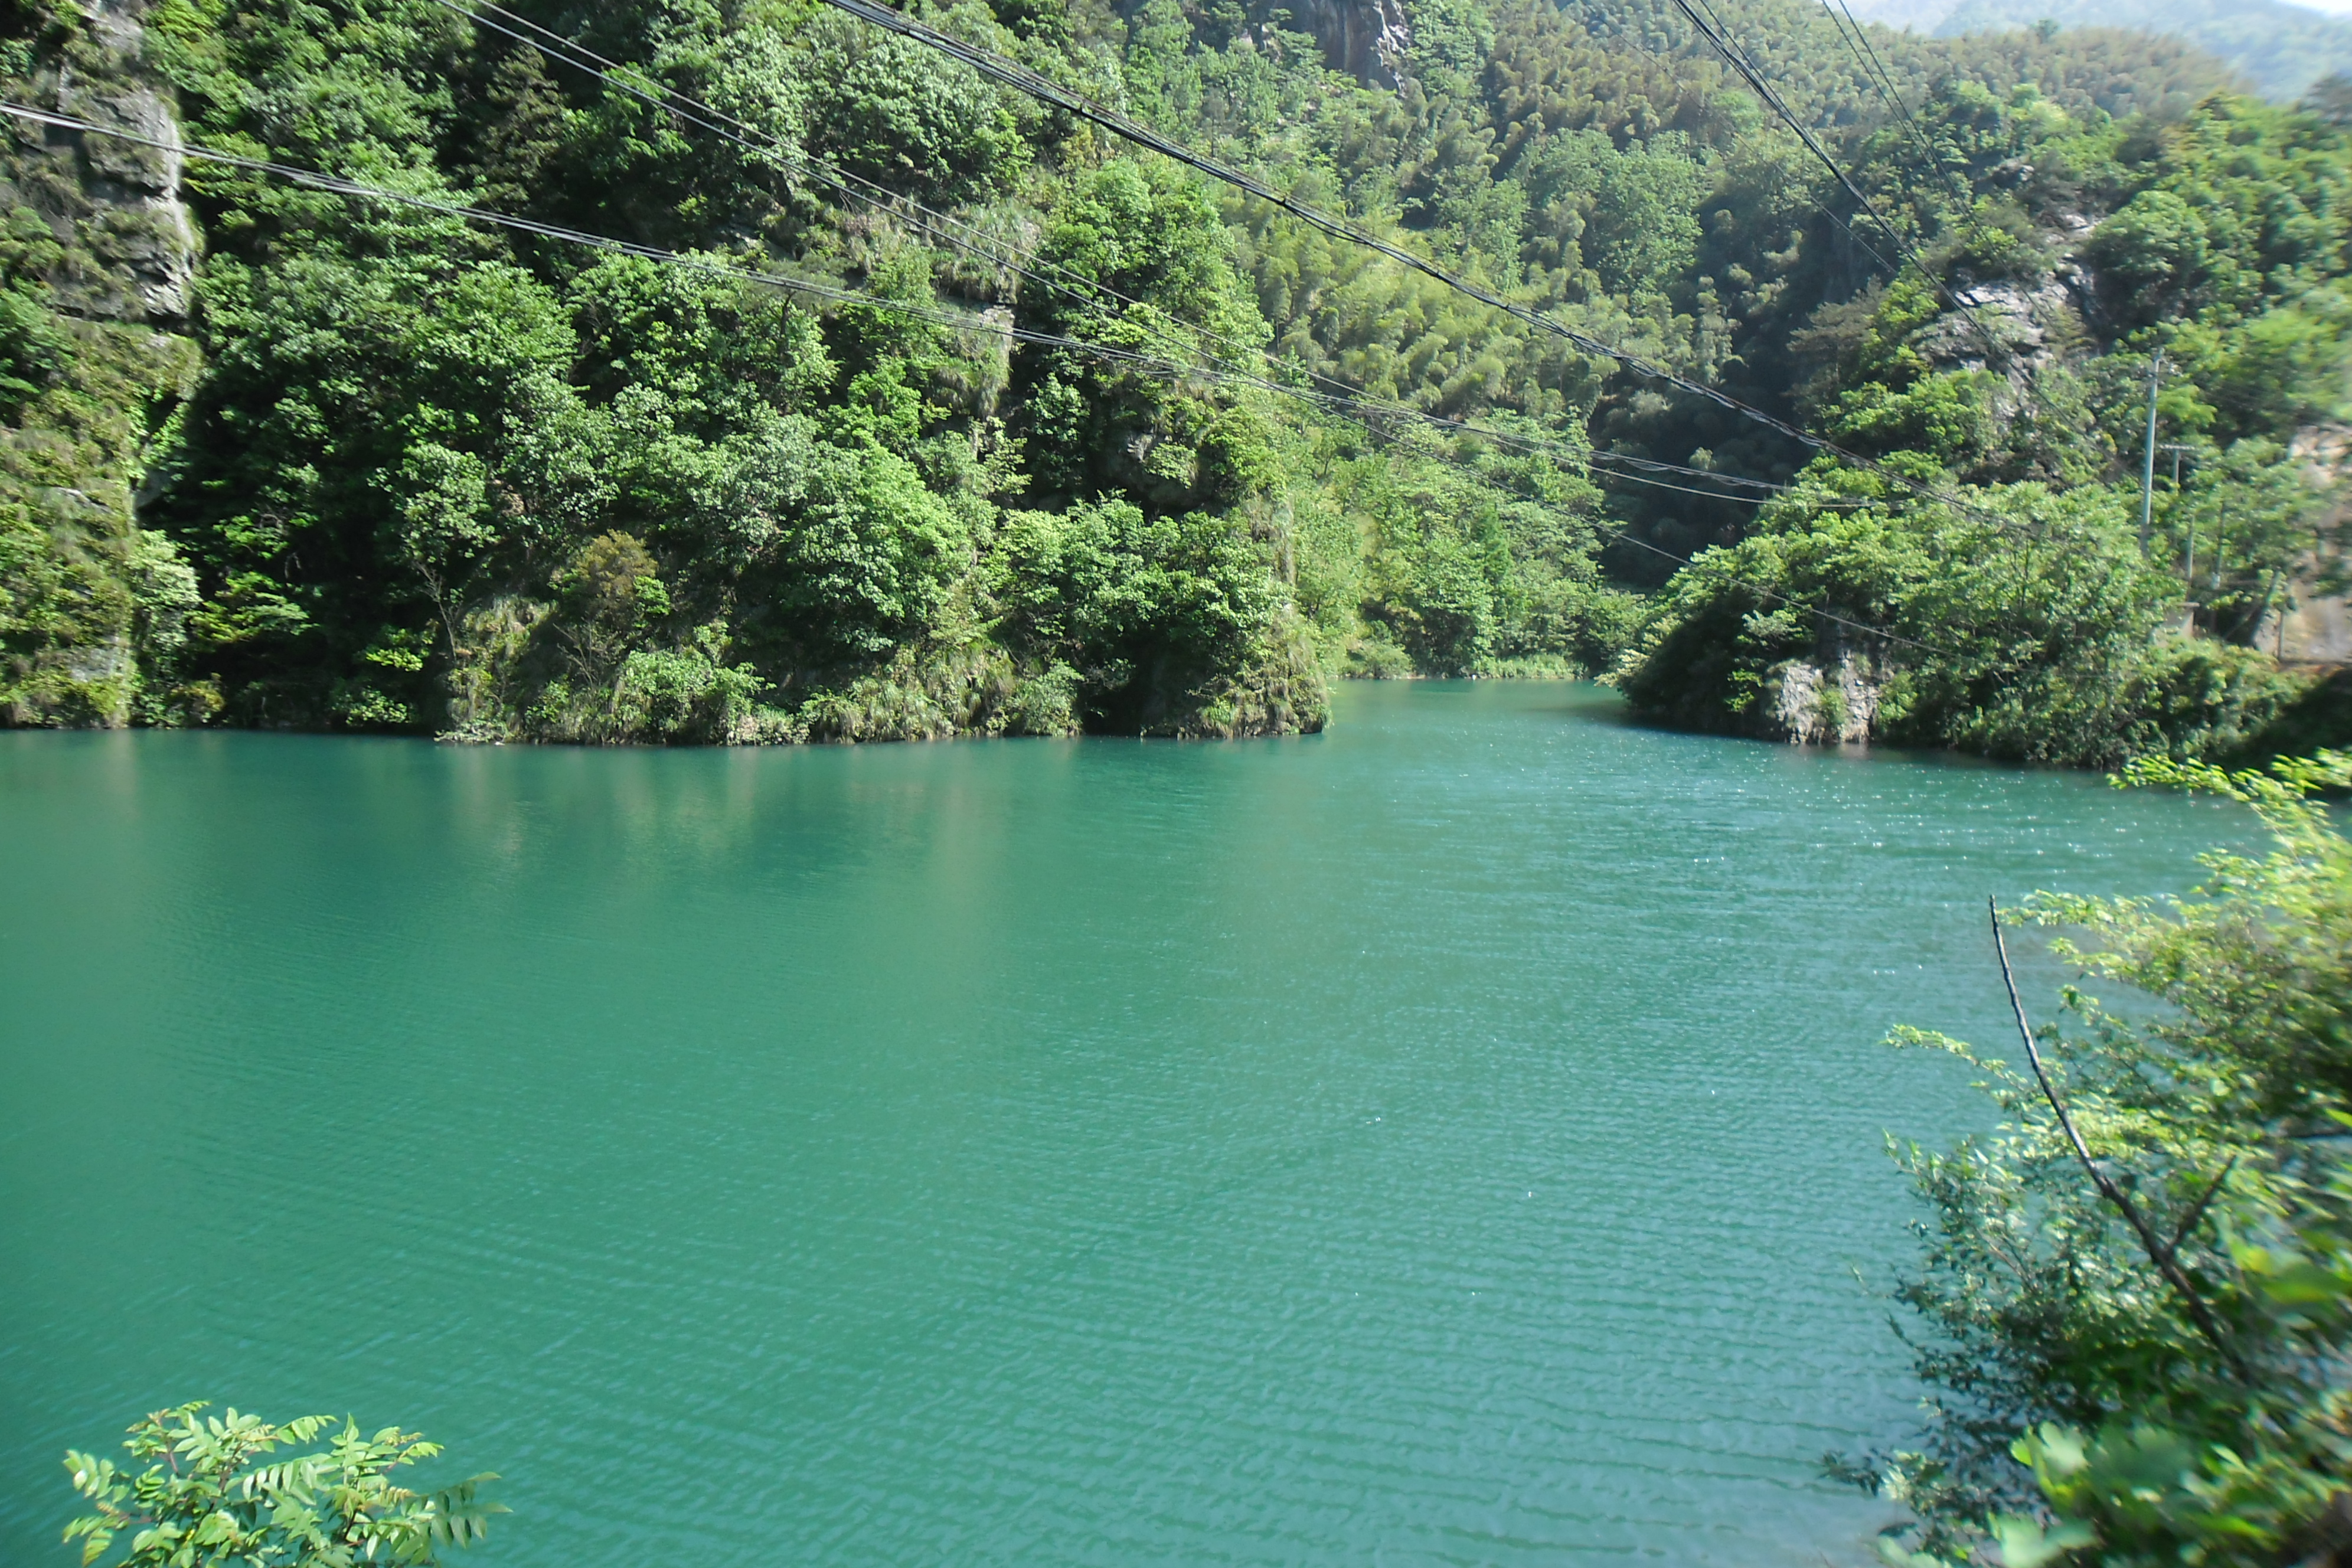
(2188, 572)
(2147, 468)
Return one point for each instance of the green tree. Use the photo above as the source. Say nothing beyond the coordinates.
(2257, 520)
(1146, 611)
(2026, 626)
(2134, 1301)
(406, 429)
(895, 113)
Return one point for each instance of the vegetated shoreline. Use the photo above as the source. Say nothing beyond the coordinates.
(2321, 711)
(276, 456)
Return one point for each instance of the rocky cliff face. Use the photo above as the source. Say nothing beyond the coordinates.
(1828, 699)
(100, 257)
(1366, 38)
(112, 207)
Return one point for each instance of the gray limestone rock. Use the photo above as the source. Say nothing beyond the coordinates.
(1365, 39)
(1829, 699)
(113, 204)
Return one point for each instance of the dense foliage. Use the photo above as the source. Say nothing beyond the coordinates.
(2026, 615)
(2029, 626)
(210, 1494)
(365, 465)
(948, 413)
(2136, 1346)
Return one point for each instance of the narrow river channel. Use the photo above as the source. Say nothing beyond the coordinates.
(1447, 1139)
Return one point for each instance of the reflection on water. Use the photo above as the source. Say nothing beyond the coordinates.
(1444, 1139)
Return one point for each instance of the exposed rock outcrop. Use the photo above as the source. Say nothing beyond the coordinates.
(2028, 324)
(112, 205)
(1365, 39)
(98, 220)
(1368, 39)
(1831, 697)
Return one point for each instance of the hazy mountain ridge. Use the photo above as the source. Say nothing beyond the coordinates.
(2281, 49)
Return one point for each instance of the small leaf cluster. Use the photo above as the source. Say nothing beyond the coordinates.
(206, 1490)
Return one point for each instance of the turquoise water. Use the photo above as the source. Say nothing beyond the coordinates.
(1444, 1140)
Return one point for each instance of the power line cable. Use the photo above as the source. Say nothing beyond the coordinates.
(1875, 71)
(729, 127)
(858, 188)
(578, 57)
(1711, 28)
(563, 50)
(1345, 406)
(335, 185)
(1842, 18)
(1963, 197)
(1021, 78)
(1882, 80)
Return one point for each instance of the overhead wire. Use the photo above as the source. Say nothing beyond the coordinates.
(1711, 27)
(1876, 71)
(1850, 33)
(1023, 79)
(735, 130)
(337, 185)
(1347, 404)
(565, 51)
(1614, 466)
(1020, 77)
(1718, 37)
(1884, 80)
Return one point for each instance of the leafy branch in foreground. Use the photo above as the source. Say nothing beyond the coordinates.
(2133, 1311)
(207, 1496)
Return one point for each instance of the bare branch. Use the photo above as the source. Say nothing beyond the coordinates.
(2158, 1254)
(2197, 1210)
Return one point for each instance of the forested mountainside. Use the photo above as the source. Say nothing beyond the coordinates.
(956, 413)
(2281, 49)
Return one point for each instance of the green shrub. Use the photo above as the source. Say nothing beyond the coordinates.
(2135, 1296)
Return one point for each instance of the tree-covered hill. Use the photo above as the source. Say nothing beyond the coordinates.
(2281, 49)
(956, 413)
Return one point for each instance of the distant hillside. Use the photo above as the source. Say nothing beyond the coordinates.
(2281, 49)
(2121, 70)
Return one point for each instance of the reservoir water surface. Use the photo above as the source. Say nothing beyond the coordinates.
(1450, 1139)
